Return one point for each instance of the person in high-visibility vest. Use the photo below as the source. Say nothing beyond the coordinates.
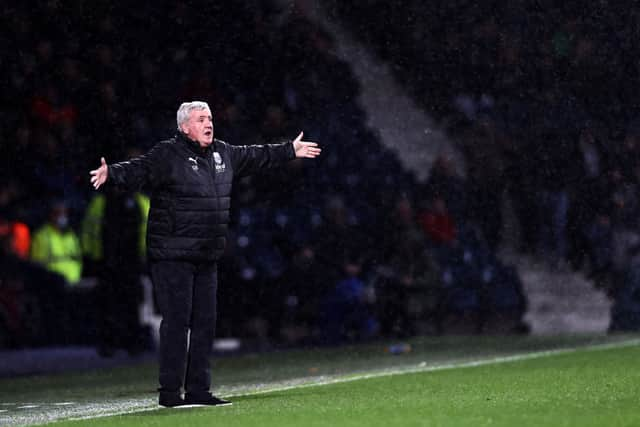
(57, 247)
(91, 234)
(113, 238)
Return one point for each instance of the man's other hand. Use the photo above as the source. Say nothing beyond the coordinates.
(306, 149)
(99, 176)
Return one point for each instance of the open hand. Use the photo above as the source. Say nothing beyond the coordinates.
(306, 149)
(99, 176)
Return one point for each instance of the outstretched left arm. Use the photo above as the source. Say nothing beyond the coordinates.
(248, 159)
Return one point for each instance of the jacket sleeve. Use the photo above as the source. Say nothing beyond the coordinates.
(139, 171)
(248, 159)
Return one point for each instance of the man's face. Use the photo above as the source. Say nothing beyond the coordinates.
(199, 127)
(60, 217)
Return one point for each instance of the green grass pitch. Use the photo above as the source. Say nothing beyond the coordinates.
(578, 381)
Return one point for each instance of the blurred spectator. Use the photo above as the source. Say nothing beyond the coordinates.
(113, 238)
(12, 229)
(503, 302)
(339, 238)
(599, 238)
(305, 285)
(445, 183)
(345, 313)
(56, 246)
(33, 307)
(625, 310)
(461, 266)
(407, 280)
(522, 189)
(437, 223)
(555, 160)
(48, 108)
(588, 194)
(18, 235)
(485, 165)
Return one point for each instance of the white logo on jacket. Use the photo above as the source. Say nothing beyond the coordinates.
(220, 167)
(195, 163)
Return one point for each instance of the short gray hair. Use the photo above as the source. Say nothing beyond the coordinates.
(187, 107)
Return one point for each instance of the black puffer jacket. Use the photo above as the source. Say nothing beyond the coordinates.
(190, 192)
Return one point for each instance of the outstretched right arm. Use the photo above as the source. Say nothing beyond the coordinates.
(132, 174)
(99, 176)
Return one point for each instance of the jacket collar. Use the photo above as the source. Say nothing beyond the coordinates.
(193, 145)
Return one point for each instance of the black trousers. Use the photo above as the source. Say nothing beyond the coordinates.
(186, 299)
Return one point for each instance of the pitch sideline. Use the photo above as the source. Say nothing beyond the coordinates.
(422, 367)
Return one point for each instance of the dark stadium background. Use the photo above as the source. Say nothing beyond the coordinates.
(538, 98)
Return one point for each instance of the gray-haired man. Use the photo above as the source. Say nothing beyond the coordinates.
(190, 178)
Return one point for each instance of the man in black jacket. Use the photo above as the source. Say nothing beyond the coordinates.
(190, 178)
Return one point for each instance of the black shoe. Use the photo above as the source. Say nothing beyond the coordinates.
(205, 399)
(170, 399)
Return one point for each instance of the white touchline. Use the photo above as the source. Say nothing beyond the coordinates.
(421, 367)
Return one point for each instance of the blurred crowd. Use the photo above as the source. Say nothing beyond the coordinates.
(345, 248)
(541, 97)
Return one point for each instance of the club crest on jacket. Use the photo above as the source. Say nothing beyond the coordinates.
(220, 167)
